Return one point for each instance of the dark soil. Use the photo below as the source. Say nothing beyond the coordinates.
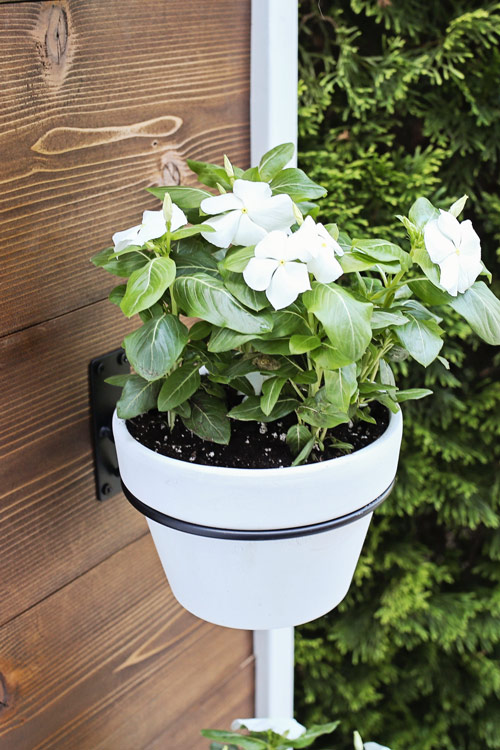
(254, 445)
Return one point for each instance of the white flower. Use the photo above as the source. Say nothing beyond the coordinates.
(375, 746)
(317, 248)
(153, 226)
(246, 214)
(456, 248)
(280, 726)
(275, 270)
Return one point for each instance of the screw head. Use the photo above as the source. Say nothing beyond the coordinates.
(122, 359)
(99, 367)
(106, 489)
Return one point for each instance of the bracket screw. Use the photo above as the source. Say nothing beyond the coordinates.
(122, 359)
(106, 489)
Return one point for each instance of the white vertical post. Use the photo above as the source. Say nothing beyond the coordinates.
(273, 120)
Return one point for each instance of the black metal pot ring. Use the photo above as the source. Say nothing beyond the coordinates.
(257, 534)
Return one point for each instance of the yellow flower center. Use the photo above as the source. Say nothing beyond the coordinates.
(244, 210)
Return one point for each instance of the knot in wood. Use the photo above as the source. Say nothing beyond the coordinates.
(56, 38)
(171, 173)
(4, 697)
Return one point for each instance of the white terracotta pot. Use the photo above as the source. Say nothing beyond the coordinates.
(259, 548)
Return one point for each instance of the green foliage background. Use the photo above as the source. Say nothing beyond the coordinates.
(401, 98)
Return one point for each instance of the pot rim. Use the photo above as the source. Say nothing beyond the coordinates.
(395, 421)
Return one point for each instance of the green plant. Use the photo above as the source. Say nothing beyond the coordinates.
(275, 307)
(399, 99)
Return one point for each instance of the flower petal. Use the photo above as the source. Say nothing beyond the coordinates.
(273, 213)
(325, 266)
(289, 280)
(469, 269)
(153, 226)
(125, 238)
(449, 226)
(179, 218)
(327, 237)
(273, 245)
(220, 203)
(225, 226)
(247, 233)
(258, 272)
(251, 193)
(438, 246)
(470, 244)
(450, 274)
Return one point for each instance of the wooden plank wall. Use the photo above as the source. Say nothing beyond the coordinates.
(99, 99)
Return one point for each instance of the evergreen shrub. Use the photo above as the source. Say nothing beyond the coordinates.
(400, 98)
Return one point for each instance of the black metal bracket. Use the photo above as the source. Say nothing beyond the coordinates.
(103, 398)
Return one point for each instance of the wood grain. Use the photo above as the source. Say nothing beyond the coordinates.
(98, 102)
(53, 529)
(115, 637)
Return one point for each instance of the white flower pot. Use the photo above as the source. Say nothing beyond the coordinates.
(259, 548)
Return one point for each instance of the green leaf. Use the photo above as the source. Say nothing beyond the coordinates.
(179, 386)
(101, 258)
(411, 394)
(116, 295)
(296, 184)
(223, 339)
(340, 386)
(312, 734)
(147, 285)
(271, 390)
(212, 175)
(288, 321)
(250, 410)
(208, 419)
(118, 380)
(384, 319)
(279, 345)
(383, 252)
(422, 259)
(243, 386)
(300, 344)
(245, 743)
(429, 293)
(200, 330)
(274, 160)
(186, 198)
(192, 258)
(421, 338)
(481, 309)
(184, 232)
(319, 412)
(237, 258)
(421, 212)
(345, 320)
(138, 397)
(155, 347)
(206, 297)
(352, 262)
(127, 265)
(304, 453)
(297, 437)
(236, 284)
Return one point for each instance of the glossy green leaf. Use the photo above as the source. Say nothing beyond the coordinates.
(194, 258)
(186, 198)
(311, 735)
(300, 343)
(154, 348)
(224, 339)
(271, 390)
(412, 394)
(288, 321)
(340, 386)
(237, 258)
(250, 410)
(138, 397)
(421, 338)
(236, 284)
(383, 252)
(274, 160)
(245, 743)
(208, 418)
(127, 265)
(296, 184)
(429, 293)
(184, 232)
(319, 412)
(346, 320)
(421, 212)
(212, 175)
(385, 319)
(146, 285)
(481, 309)
(206, 297)
(118, 380)
(102, 257)
(116, 295)
(179, 386)
(297, 437)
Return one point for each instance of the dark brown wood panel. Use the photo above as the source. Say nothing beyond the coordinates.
(116, 637)
(53, 529)
(100, 100)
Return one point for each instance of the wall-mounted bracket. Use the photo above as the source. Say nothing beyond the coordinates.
(103, 398)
